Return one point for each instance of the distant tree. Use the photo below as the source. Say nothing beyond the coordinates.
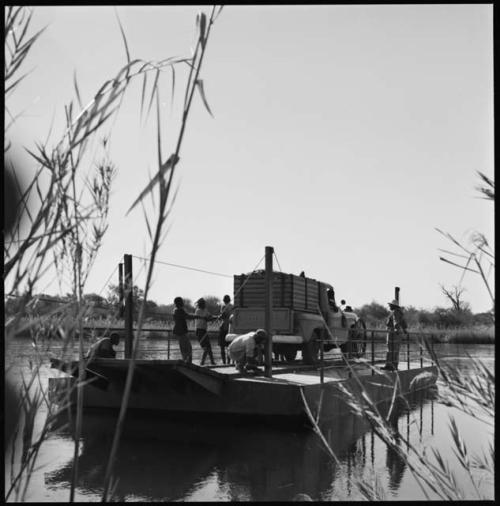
(454, 295)
(213, 304)
(94, 299)
(113, 299)
(373, 314)
(412, 315)
(427, 318)
(486, 318)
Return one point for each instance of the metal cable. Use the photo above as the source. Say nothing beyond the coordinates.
(107, 281)
(186, 267)
(277, 261)
(248, 277)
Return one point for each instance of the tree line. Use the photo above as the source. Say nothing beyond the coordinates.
(374, 314)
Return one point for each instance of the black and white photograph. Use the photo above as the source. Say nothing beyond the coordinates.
(249, 253)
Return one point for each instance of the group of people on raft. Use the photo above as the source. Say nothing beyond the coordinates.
(244, 349)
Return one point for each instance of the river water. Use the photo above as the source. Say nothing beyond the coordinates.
(162, 460)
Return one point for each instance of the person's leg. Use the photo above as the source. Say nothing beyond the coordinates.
(209, 352)
(186, 348)
(200, 334)
(222, 345)
(389, 354)
(395, 352)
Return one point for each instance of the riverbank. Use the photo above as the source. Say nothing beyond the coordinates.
(156, 329)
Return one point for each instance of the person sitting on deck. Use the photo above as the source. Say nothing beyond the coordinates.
(243, 350)
(104, 347)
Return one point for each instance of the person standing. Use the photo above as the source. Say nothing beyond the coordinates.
(396, 328)
(180, 330)
(202, 331)
(244, 350)
(224, 316)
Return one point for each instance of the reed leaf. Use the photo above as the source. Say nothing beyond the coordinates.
(164, 169)
(199, 85)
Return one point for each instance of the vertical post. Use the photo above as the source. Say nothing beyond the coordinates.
(432, 348)
(373, 352)
(407, 429)
(322, 356)
(394, 356)
(421, 356)
(268, 314)
(129, 305)
(432, 416)
(408, 350)
(120, 290)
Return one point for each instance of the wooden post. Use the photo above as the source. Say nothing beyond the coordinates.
(408, 351)
(269, 310)
(393, 355)
(322, 358)
(120, 290)
(373, 352)
(129, 305)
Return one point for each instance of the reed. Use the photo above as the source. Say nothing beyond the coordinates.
(63, 212)
(432, 472)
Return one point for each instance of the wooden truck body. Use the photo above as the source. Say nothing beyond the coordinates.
(301, 314)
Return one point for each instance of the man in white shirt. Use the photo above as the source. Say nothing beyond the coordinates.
(224, 316)
(243, 349)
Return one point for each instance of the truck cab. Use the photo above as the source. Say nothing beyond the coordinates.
(302, 315)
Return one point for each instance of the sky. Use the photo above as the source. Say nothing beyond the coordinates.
(342, 136)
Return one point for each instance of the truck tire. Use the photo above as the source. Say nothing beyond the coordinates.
(290, 353)
(310, 350)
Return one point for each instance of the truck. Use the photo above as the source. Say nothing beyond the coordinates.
(303, 316)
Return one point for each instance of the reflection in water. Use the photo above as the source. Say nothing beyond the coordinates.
(165, 460)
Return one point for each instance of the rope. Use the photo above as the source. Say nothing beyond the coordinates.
(248, 277)
(107, 281)
(140, 270)
(186, 267)
(277, 261)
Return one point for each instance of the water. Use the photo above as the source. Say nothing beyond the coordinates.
(162, 460)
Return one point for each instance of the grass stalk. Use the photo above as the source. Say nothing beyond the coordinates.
(165, 188)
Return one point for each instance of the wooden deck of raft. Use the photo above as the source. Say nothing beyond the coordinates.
(300, 374)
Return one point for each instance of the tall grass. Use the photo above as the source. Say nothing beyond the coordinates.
(471, 393)
(435, 476)
(64, 208)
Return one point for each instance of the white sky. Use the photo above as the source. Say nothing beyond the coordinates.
(342, 136)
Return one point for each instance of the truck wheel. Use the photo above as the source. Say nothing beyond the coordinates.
(290, 354)
(310, 351)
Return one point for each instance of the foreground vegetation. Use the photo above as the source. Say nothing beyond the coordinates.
(56, 218)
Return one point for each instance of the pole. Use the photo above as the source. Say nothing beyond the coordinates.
(129, 305)
(120, 290)
(395, 356)
(322, 358)
(269, 310)
(373, 352)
